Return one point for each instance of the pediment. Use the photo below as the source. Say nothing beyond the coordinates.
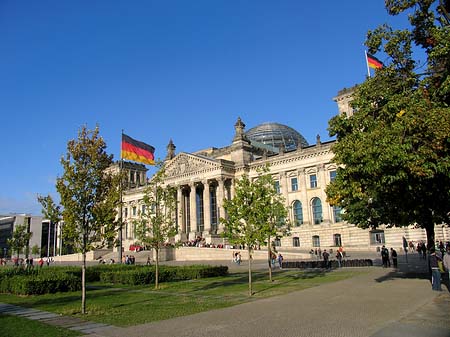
(184, 163)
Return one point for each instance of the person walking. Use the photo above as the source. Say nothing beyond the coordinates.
(280, 260)
(325, 255)
(384, 256)
(447, 263)
(339, 258)
(435, 272)
(394, 257)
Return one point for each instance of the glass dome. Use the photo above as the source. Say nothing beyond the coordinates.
(275, 135)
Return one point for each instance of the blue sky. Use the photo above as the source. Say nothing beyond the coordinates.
(161, 70)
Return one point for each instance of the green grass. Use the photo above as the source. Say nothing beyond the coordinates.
(126, 305)
(14, 326)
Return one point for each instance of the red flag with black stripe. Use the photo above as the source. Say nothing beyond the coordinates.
(137, 151)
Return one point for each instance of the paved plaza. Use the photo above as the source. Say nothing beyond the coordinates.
(380, 303)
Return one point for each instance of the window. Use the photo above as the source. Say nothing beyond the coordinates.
(134, 210)
(316, 241)
(294, 184)
(296, 241)
(337, 240)
(143, 209)
(298, 213)
(337, 213)
(199, 204)
(332, 175)
(317, 211)
(277, 187)
(313, 181)
(376, 237)
(125, 212)
(277, 243)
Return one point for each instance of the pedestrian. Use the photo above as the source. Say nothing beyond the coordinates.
(41, 262)
(325, 258)
(447, 263)
(280, 260)
(149, 261)
(433, 261)
(339, 258)
(384, 256)
(394, 257)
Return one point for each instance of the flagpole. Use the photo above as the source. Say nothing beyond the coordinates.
(121, 200)
(367, 63)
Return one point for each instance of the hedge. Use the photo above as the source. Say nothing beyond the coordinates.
(61, 279)
(332, 264)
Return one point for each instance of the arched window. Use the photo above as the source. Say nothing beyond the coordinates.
(317, 210)
(298, 213)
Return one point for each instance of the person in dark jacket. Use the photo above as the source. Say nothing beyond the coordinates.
(435, 272)
(394, 257)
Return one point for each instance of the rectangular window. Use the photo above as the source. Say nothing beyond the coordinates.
(125, 212)
(143, 209)
(332, 175)
(134, 210)
(316, 241)
(296, 242)
(294, 184)
(313, 181)
(277, 187)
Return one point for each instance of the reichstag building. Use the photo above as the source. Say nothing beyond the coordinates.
(301, 172)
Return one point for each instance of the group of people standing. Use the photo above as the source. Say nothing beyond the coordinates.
(386, 257)
(439, 265)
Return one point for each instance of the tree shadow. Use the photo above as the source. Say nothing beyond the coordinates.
(411, 267)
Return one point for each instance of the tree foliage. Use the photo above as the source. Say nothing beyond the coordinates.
(393, 151)
(156, 225)
(254, 215)
(20, 238)
(89, 195)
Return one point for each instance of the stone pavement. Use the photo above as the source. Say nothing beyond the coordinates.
(71, 323)
(379, 303)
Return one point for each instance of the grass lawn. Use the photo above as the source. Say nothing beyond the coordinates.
(14, 326)
(127, 305)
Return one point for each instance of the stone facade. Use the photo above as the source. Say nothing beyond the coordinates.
(203, 179)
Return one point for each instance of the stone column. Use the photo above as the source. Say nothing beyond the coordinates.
(220, 197)
(206, 208)
(306, 207)
(193, 209)
(180, 211)
(284, 185)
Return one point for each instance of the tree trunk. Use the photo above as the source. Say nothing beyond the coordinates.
(429, 228)
(269, 258)
(157, 268)
(83, 285)
(250, 291)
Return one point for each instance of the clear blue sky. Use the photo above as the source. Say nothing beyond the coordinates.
(168, 69)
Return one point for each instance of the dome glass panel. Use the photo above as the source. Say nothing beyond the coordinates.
(276, 135)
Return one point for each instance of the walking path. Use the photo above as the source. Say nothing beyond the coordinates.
(71, 323)
(380, 303)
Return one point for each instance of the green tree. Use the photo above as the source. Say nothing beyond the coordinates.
(50, 211)
(89, 196)
(35, 250)
(271, 210)
(20, 238)
(393, 151)
(156, 225)
(253, 216)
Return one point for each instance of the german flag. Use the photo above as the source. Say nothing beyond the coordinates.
(137, 151)
(373, 62)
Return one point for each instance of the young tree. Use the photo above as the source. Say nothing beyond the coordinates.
(253, 215)
(89, 196)
(156, 225)
(20, 238)
(393, 151)
(51, 212)
(35, 251)
(272, 212)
